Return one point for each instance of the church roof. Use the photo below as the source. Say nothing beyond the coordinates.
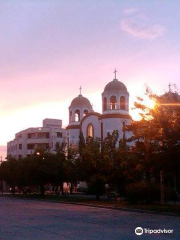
(115, 85)
(80, 101)
(170, 97)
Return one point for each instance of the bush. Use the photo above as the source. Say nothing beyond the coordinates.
(142, 192)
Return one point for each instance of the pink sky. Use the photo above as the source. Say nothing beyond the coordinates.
(50, 48)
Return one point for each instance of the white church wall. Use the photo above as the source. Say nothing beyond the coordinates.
(111, 124)
(73, 136)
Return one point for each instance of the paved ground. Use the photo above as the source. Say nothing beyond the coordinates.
(34, 220)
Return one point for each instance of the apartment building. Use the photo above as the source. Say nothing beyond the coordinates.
(46, 137)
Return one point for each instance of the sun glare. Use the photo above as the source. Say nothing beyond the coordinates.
(149, 103)
(135, 113)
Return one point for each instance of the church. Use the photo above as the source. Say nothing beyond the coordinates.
(114, 116)
(82, 118)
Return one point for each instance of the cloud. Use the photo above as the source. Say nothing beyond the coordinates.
(129, 11)
(139, 26)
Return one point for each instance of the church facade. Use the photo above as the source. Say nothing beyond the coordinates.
(114, 116)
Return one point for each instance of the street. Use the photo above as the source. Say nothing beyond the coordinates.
(22, 219)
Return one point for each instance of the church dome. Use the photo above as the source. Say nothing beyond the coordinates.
(115, 85)
(170, 97)
(80, 101)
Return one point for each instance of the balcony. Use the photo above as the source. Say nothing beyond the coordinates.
(38, 135)
(37, 140)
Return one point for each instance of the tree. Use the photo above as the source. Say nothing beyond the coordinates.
(157, 136)
(8, 172)
(120, 162)
(61, 161)
(81, 142)
(92, 168)
(71, 168)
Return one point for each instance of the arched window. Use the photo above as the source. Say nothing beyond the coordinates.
(122, 103)
(90, 131)
(85, 112)
(105, 104)
(70, 116)
(77, 116)
(113, 103)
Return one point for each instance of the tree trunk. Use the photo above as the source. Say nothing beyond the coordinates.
(97, 192)
(42, 190)
(71, 188)
(97, 196)
(62, 188)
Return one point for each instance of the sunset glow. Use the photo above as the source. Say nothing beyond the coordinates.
(51, 48)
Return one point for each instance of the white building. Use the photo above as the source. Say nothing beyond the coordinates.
(46, 138)
(115, 115)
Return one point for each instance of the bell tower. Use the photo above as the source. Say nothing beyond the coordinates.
(80, 107)
(115, 107)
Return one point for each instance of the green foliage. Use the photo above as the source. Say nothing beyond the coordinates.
(92, 166)
(157, 137)
(8, 171)
(81, 142)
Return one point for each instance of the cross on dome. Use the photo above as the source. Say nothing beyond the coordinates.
(80, 90)
(115, 71)
(169, 87)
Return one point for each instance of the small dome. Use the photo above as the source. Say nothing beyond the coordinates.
(170, 97)
(115, 85)
(80, 101)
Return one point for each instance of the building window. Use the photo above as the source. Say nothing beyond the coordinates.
(85, 112)
(105, 104)
(122, 103)
(29, 135)
(47, 135)
(30, 146)
(20, 146)
(113, 103)
(77, 116)
(90, 131)
(59, 134)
